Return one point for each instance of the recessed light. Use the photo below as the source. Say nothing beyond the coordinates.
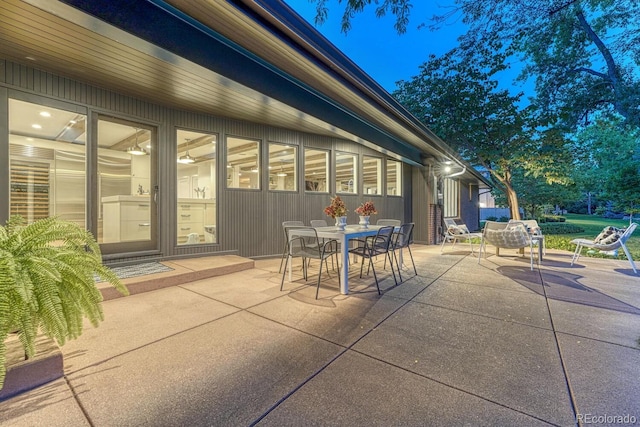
(36, 126)
(45, 114)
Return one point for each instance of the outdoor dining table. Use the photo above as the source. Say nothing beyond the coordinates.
(350, 232)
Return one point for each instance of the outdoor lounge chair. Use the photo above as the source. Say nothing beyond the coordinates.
(512, 235)
(606, 247)
(457, 233)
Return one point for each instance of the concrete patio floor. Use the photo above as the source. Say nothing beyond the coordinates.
(494, 344)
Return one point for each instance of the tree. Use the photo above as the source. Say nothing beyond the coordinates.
(607, 162)
(583, 54)
(457, 96)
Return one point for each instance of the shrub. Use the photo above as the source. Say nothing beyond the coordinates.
(551, 218)
(492, 218)
(560, 228)
(503, 219)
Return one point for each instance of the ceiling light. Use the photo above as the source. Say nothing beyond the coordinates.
(45, 114)
(36, 126)
(186, 159)
(135, 149)
(282, 173)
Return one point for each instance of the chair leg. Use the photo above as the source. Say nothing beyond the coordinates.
(375, 276)
(626, 252)
(412, 262)
(284, 254)
(391, 265)
(284, 273)
(576, 254)
(319, 277)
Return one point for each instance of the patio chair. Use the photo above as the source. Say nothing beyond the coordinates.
(285, 225)
(512, 235)
(370, 247)
(606, 246)
(315, 223)
(303, 242)
(403, 239)
(457, 233)
(534, 229)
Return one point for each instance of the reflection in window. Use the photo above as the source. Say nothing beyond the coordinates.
(316, 169)
(394, 178)
(243, 163)
(47, 162)
(372, 175)
(196, 174)
(451, 193)
(124, 182)
(346, 173)
(282, 167)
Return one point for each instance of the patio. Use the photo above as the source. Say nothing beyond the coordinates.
(460, 344)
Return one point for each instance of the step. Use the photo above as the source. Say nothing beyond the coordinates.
(182, 271)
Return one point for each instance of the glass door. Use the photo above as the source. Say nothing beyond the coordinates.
(126, 183)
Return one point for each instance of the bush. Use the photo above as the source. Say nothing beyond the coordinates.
(503, 219)
(492, 218)
(560, 228)
(551, 218)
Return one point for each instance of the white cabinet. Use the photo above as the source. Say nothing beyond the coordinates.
(126, 218)
(195, 216)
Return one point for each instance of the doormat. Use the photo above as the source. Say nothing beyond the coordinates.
(127, 271)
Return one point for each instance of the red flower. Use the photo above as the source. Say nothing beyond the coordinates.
(366, 209)
(337, 208)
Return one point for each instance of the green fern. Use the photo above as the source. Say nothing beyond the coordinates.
(47, 283)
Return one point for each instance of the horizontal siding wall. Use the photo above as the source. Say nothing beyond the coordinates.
(248, 222)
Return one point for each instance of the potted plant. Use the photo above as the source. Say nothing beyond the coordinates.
(337, 210)
(48, 271)
(365, 210)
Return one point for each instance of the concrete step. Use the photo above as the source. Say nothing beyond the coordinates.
(184, 271)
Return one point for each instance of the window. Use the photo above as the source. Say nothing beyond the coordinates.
(451, 193)
(243, 165)
(47, 158)
(316, 170)
(283, 167)
(346, 173)
(394, 178)
(372, 175)
(196, 189)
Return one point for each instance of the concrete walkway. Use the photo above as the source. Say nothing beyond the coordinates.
(493, 344)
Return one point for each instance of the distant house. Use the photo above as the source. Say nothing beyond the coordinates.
(183, 128)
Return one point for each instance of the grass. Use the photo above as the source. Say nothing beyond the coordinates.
(592, 226)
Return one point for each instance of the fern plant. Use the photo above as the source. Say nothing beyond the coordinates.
(47, 282)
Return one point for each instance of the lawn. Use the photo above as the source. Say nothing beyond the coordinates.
(592, 226)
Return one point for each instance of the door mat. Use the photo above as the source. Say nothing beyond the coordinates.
(127, 271)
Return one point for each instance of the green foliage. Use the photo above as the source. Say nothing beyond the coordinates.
(554, 228)
(551, 218)
(47, 281)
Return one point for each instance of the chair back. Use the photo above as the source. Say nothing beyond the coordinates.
(301, 240)
(394, 222)
(382, 240)
(531, 224)
(512, 235)
(318, 223)
(404, 236)
(628, 232)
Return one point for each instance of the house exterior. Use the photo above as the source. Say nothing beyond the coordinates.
(182, 128)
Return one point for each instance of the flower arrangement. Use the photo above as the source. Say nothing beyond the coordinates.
(337, 208)
(366, 209)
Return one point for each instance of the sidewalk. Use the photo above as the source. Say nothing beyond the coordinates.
(460, 344)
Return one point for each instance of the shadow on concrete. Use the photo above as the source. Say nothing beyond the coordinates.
(565, 286)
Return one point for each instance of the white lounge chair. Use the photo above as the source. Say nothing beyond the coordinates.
(620, 243)
(457, 233)
(512, 235)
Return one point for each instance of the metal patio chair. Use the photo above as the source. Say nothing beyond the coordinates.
(370, 247)
(303, 242)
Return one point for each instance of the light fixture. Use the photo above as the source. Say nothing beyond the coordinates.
(135, 149)
(282, 172)
(186, 159)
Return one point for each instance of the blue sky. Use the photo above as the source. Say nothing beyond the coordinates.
(375, 46)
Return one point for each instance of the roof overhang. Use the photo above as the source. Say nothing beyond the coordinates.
(250, 60)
